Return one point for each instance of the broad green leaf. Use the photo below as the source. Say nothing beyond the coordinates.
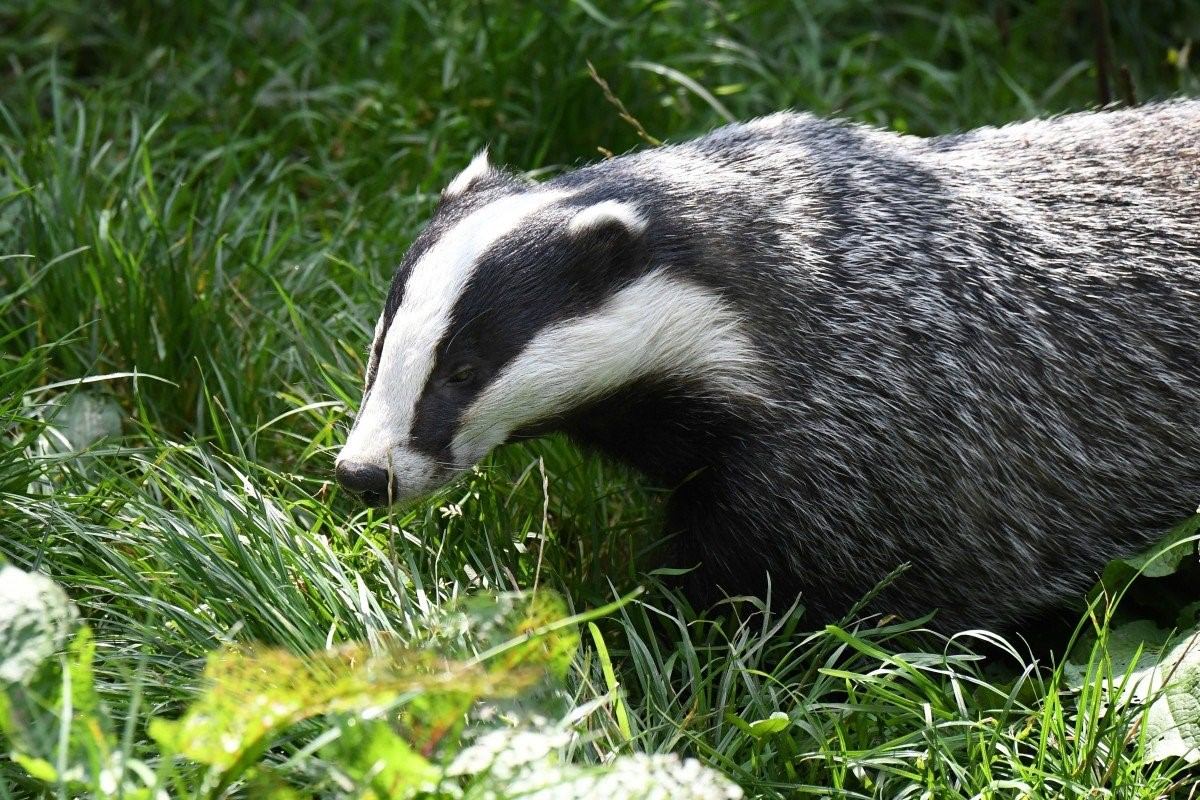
(762, 728)
(1165, 558)
(517, 627)
(552, 649)
(1173, 720)
(254, 693)
(1140, 640)
(38, 768)
(509, 633)
(379, 762)
(35, 618)
(1145, 667)
(505, 633)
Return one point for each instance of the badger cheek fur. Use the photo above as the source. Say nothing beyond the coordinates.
(658, 327)
(844, 349)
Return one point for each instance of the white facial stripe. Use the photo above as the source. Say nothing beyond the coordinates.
(434, 287)
(658, 326)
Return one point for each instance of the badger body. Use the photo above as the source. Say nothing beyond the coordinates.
(844, 349)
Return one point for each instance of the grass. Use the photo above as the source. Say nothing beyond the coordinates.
(204, 201)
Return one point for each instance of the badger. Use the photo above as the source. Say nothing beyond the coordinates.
(843, 349)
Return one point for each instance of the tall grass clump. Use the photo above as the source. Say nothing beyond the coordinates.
(200, 208)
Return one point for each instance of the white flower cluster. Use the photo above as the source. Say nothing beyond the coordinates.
(522, 763)
(35, 619)
(502, 753)
(633, 777)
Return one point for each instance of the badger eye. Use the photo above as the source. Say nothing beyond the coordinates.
(462, 374)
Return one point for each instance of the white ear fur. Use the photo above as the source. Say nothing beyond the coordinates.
(478, 167)
(608, 212)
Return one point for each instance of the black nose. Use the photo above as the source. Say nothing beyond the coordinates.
(367, 481)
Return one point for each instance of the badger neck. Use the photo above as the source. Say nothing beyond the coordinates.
(699, 378)
(666, 431)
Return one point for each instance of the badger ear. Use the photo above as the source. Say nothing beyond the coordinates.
(478, 168)
(615, 214)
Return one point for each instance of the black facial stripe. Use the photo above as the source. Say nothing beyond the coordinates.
(449, 212)
(533, 278)
(373, 363)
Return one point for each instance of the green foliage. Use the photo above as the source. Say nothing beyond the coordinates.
(255, 694)
(1163, 560)
(372, 756)
(1173, 720)
(385, 712)
(200, 206)
(56, 727)
(1137, 664)
(395, 702)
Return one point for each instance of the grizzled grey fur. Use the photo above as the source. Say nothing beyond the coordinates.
(979, 354)
(986, 345)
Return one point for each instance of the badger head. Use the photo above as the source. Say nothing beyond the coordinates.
(517, 305)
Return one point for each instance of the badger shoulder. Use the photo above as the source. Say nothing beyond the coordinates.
(1151, 148)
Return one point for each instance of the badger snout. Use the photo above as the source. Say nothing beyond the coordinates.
(396, 475)
(367, 481)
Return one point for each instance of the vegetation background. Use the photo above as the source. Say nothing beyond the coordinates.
(201, 204)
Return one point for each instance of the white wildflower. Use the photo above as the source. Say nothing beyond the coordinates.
(523, 762)
(633, 777)
(35, 618)
(500, 753)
